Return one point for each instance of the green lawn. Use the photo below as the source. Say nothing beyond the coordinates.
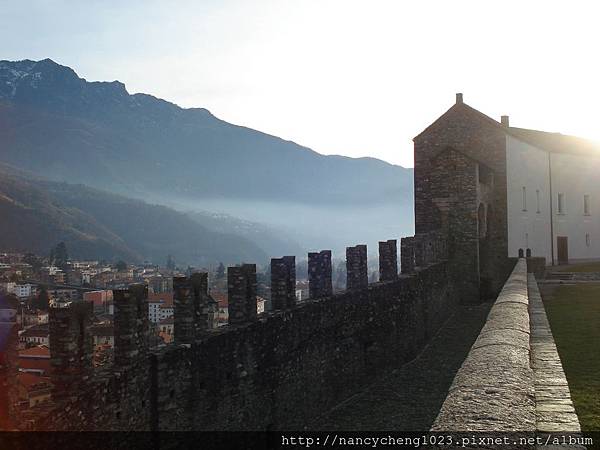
(583, 267)
(574, 315)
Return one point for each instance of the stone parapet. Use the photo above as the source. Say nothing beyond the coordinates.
(283, 282)
(131, 324)
(356, 267)
(388, 260)
(241, 286)
(494, 388)
(319, 274)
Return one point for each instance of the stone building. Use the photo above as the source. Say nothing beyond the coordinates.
(493, 191)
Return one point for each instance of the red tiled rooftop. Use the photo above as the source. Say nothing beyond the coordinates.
(221, 298)
(166, 297)
(166, 337)
(41, 351)
(28, 380)
(38, 364)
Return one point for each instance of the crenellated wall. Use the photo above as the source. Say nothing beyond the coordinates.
(277, 370)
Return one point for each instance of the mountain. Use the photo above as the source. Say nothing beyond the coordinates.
(36, 214)
(68, 129)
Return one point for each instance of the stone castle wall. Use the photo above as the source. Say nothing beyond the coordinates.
(274, 371)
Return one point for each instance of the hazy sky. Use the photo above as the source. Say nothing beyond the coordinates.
(358, 78)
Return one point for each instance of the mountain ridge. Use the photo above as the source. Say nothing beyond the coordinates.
(58, 125)
(140, 120)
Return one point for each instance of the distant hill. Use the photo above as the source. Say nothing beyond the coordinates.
(37, 214)
(68, 129)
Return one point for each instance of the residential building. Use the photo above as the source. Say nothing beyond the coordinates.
(101, 299)
(24, 290)
(103, 335)
(33, 389)
(63, 294)
(260, 305)
(160, 306)
(166, 329)
(35, 335)
(222, 307)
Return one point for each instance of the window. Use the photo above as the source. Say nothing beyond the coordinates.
(524, 198)
(586, 205)
(537, 200)
(561, 203)
(588, 240)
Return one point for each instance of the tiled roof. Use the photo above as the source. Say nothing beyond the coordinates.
(221, 298)
(28, 380)
(551, 142)
(40, 351)
(166, 337)
(556, 142)
(166, 297)
(39, 364)
(36, 332)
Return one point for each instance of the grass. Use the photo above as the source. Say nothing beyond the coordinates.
(574, 315)
(582, 267)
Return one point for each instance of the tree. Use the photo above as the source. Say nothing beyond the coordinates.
(374, 277)
(59, 255)
(10, 301)
(340, 276)
(220, 271)
(302, 270)
(33, 261)
(41, 301)
(121, 265)
(13, 277)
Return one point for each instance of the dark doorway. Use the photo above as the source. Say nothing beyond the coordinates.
(562, 243)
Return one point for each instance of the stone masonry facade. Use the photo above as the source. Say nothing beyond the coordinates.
(460, 193)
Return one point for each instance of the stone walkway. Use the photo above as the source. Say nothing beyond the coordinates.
(572, 277)
(554, 407)
(410, 397)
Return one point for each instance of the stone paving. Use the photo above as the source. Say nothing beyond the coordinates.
(411, 396)
(576, 277)
(554, 408)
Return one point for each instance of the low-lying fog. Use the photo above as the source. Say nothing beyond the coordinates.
(313, 227)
